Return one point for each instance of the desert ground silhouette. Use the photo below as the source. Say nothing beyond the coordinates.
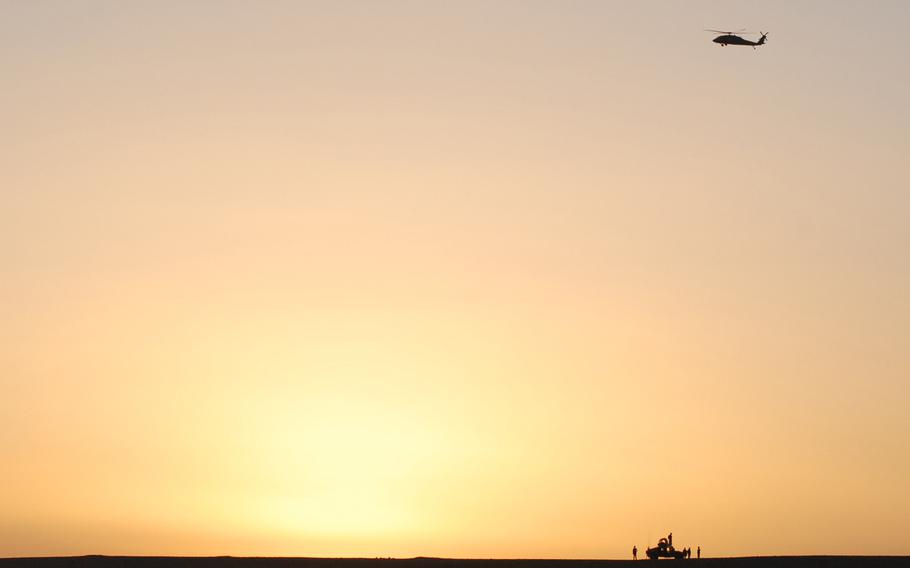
(96, 561)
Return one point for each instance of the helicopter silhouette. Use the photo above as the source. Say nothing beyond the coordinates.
(731, 38)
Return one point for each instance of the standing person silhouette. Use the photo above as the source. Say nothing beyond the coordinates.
(634, 553)
(670, 539)
(698, 552)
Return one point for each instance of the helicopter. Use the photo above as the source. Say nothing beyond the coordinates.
(732, 38)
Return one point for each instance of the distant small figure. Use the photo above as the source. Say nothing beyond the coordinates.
(634, 553)
(670, 539)
(698, 552)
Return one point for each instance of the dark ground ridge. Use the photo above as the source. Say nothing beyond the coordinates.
(99, 561)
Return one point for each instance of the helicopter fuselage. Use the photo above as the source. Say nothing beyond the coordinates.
(730, 39)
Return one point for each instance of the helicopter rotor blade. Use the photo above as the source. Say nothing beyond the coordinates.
(727, 32)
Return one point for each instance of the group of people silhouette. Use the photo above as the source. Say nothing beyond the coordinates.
(687, 552)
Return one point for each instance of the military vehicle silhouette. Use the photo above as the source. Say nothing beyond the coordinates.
(664, 549)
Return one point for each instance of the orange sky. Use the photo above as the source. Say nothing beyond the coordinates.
(475, 279)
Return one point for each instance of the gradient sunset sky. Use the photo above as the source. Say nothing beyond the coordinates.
(470, 278)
